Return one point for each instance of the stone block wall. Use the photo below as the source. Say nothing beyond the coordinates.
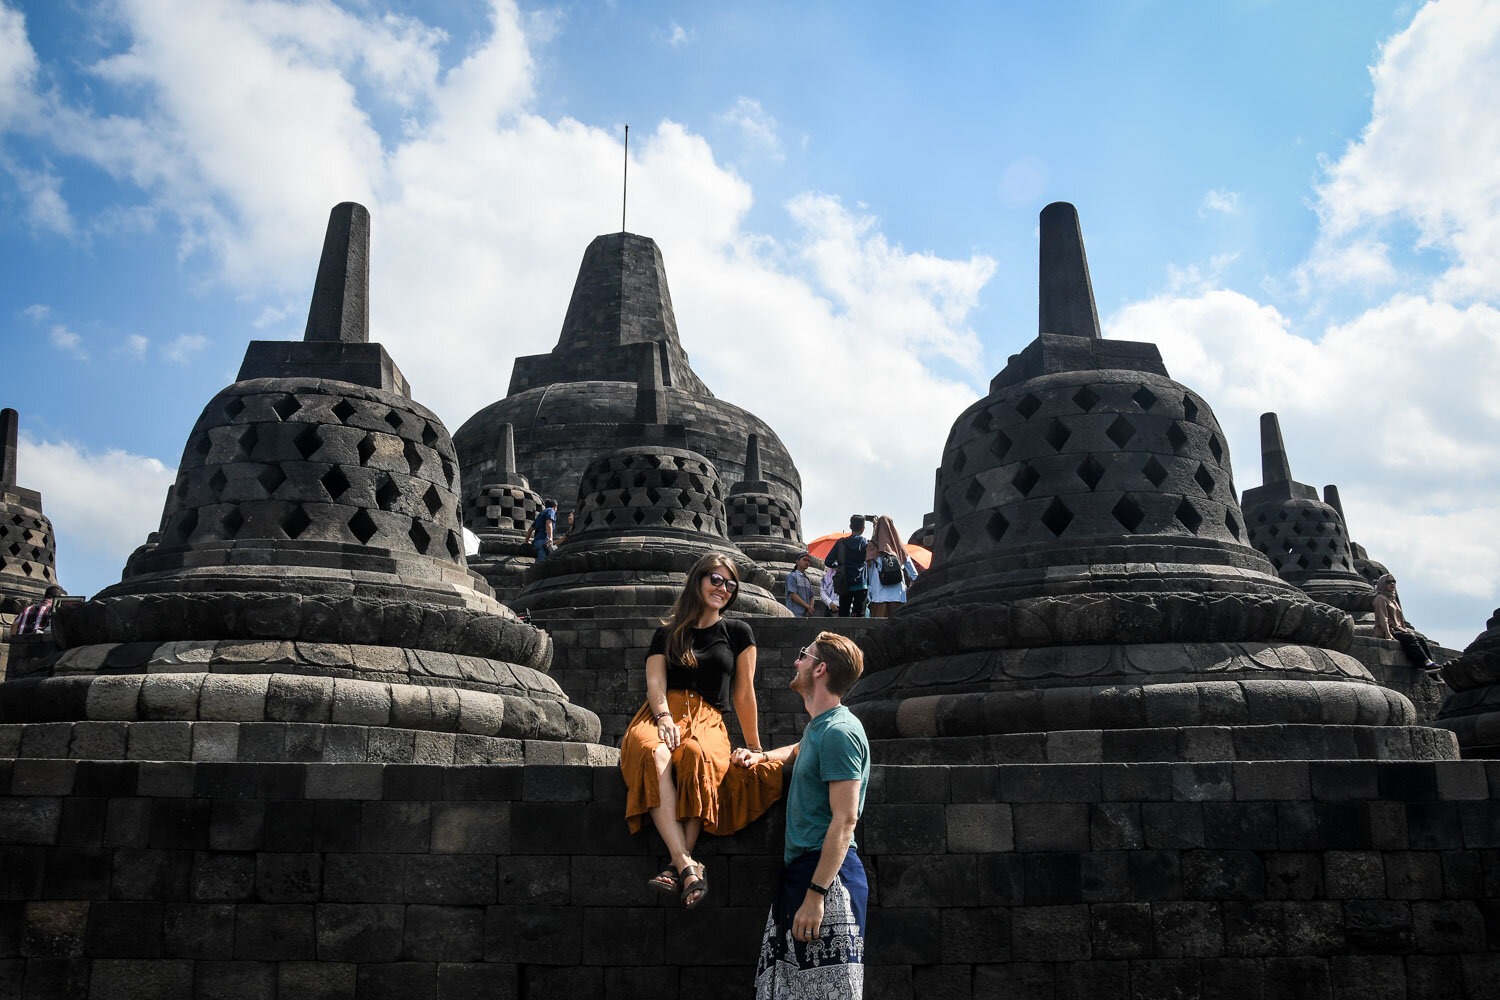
(1315, 881)
(601, 665)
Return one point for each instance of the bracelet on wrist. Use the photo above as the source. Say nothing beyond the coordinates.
(755, 749)
(815, 887)
(660, 715)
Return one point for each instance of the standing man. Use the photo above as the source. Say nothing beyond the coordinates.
(541, 530)
(814, 943)
(799, 589)
(848, 557)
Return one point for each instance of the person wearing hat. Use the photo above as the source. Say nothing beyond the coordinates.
(542, 529)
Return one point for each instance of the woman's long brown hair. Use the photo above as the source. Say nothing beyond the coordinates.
(689, 605)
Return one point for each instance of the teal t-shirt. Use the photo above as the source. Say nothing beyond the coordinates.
(834, 748)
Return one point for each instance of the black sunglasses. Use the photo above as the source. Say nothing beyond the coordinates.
(720, 580)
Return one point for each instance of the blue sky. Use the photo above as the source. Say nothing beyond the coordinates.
(1300, 203)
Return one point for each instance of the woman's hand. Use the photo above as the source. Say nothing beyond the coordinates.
(668, 733)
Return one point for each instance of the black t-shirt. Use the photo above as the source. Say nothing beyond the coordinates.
(717, 647)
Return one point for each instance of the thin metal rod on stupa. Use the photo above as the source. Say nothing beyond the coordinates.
(625, 185)
(1065, 294)
(505, 455)
(1331, 498)
(340, 309)
(1274, 467)
(10, 424)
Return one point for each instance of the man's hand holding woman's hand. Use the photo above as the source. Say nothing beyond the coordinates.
(745, 757)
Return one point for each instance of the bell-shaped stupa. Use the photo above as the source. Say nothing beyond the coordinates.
(1304, 537)
(1472, 710)
(582, 398)
(309, 584)
(1092, 572)
(499, 513)
(28, 549)
(765, 525)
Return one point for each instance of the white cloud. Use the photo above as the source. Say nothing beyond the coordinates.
(674, 35)
(757, 129)
(18, 64)
(181, 349)
(37, 311)
(41, 191)
(66, 340)
(1216, 200)
(135, 346)
(1426, 159)
(101, 503)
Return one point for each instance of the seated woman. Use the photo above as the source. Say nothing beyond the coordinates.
(1390, 623)
(888, 568)
(675, 753)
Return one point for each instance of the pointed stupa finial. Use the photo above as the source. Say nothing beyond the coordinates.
(505, 455)
(340, 309)
(10, 425)
(752, 459)
(650, 388)
(1065, 294)
(1274, 467)
(1331, 498)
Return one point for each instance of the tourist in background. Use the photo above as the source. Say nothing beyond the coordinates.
(675, 754)
(539, 535)
(799, 589)
(848, 557)
(828, 595)
(888, 567)
(1390, 623)
(814, 943)
(37, 618)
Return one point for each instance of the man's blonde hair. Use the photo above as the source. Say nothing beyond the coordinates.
(844, 659)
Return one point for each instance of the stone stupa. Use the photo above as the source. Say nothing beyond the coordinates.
(1472, 709)
(308, 587)
(28, 549)
(1092, 576)
(763, 523)
(499, 514)
(1304, 537)
(1370, 569)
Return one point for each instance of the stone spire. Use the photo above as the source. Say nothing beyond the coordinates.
(1305, 539)
(1066, 296)
(650, 386)
(752, 459)
(10, 422)
(1331, 498)
(1370, 569)
(763, 522)
(620, 299)
(340, 309)
(505, 456)
(1274, 467)
(336, 344)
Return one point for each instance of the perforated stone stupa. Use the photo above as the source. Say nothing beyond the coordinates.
(28, 549)
(1370, 569)
(1092, 573)
(1472, 710)
(499, 514)
(645, 515)
(309, 585)
(763, 523)
(580, 399)
(1304, 537)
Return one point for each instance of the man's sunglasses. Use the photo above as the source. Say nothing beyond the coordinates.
(722, 581)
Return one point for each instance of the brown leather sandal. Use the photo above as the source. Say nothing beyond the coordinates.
(664, 881)
(694, 880)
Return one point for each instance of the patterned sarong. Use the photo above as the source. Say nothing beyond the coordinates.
(830, 967)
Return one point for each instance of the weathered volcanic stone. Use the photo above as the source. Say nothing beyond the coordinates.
(1472, 710)
(764, 524)
(1304, 538)
(583, 398)
(28, 549)
(645, 516)
(499, 514)
(311, 551)
(1090, 561)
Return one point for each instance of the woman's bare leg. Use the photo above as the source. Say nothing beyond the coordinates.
(664, 815)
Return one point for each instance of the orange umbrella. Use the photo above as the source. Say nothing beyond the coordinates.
(823, 544)
(920, 556)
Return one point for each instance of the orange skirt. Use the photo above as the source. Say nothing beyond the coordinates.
(726, 798)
